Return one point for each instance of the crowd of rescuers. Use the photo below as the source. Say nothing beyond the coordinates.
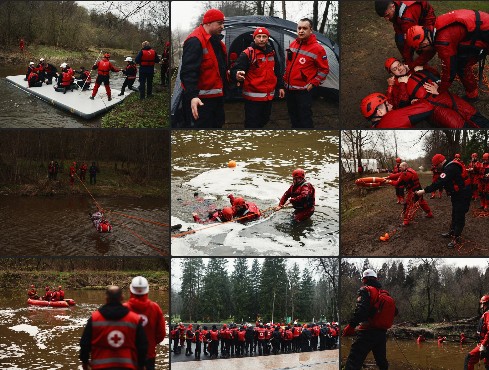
(417, 91)
(301, 195)
(233, 340)
(50, 294)
(66, 80)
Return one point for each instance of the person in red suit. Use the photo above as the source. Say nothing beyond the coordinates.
(480, 350)
(301, 194)
(244, 210)
(103, 68)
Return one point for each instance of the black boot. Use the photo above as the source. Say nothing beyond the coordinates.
(455, 241)
(448, 234)
(122, 93)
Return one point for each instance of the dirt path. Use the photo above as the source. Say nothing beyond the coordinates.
(366, 42)
(368, 214)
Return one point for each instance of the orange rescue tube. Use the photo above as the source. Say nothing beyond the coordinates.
(370, 182)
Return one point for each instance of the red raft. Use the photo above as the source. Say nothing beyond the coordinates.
(64, 303)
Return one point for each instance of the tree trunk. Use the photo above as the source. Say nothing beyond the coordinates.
(315, 14)
(271, 11)
(284, 11)
(325, 17)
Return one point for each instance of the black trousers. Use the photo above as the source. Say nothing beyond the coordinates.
(368, 340)
(211, 114)
(145, 84)
(257, 113)
(299, 106)
(460, 206)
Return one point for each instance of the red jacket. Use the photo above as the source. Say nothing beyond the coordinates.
(409, 178)
(114, 343)
(308, 65)
(153, 320)
(406, 117)
(104, 67)
(302, 196)
(260, 81)
(210, 82)
(483, 329)
(475, 170)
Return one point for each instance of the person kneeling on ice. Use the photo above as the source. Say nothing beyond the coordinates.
(84, 79)
(244, 211)
(301, 195)
(66, 79)
(103, 67)
(219, 215)
(130, 72)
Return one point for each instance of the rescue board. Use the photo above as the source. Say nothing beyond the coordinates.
(77, 102)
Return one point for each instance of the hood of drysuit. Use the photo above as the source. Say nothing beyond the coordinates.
(139, 302)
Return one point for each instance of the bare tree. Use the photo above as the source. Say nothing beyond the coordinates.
(284, 10)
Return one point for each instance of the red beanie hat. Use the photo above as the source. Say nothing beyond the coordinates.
(213, 15)
(437, 159)
(261, 31)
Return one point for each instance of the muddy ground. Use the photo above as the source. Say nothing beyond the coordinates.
(366, 42)
(367, 214)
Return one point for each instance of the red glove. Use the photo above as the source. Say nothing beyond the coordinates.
(348, 331)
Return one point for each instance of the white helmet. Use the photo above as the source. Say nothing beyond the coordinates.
(139, 286)
(369, 273)
(63, 65)
(128, 59)
(41, 60)
(31, 63)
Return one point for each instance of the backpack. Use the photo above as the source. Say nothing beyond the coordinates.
(383, 309)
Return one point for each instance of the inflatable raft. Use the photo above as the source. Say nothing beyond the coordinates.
(76, 102)
(64, 303)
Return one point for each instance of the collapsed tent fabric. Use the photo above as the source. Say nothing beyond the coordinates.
(238, 35)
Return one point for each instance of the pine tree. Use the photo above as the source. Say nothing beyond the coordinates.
(240, 290)
(192, 269)
(273, 286)
(306, 294)
(216, 292)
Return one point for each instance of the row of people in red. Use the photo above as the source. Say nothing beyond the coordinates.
(479, 179)
(49, 295)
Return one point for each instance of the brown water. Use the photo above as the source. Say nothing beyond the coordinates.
(21, 110)
(60, 226)
(408, 355)
(34, 337)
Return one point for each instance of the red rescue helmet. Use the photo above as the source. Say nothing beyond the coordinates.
(370, 104)
(389, 62)
(437, 159)
(485, 156)
(415, 36)
(107, 55)
(47, 288)
(484, 299)
(457, 156)
(398, 160)
(474, 155)
(239, 202)
(227, 213)
(299, 172)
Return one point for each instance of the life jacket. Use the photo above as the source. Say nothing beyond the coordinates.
(210, 82)
(214, 335)
(197, 337)
(288, 334)
(104, 227)
(297, 331)
(260, 333)
(268, 334)
(251, 208)
(148, 57)
(61, 294)
(382, 309)
(66, 79)
(33, 78)
(413, 183)
(103, 67)
(241, 335)
(463, 181)
(260, 81)
(309, 201)
(415, 83)
(482, 326)
(114, 342)
(131, 71)
(476, 23)
(87, 78)
(174, 334)
(190, 335)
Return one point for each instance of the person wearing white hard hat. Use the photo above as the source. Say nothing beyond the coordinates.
(30, 68)
(130, 72)
(66, 79)
(374, 314)
(153, 320)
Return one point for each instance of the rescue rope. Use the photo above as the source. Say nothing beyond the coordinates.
(409, 215)
(402, 352)
(149, 244)
(222, 223)
(139, 218)
(88, 191)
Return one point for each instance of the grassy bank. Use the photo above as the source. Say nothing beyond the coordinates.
(158, 280)
(136, 113)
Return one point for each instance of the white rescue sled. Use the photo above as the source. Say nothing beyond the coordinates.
(77, 102)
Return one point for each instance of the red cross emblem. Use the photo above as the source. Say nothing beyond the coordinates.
(115, 338)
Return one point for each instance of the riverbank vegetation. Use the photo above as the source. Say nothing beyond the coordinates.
(82, 273)
(128, 163)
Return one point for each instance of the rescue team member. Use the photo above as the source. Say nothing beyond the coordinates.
(301, 195)
(259, 70)
(436, 175)
(455, 180)
(61, 293)
(65, 79)
(49, 71)
(103, 67)
(30, 68)
(305, 68)
(130, 72)
(165, 64)
(460, 38)
(422, 83)
(403, 15)
(480, 350)
(153, 320)
(146, 58)
(113, 337)
(372, 330)
(484, 183)
(244, 210)
(84, 79)
(410, 179)
(48, 296)
(34, 80)
(72, 174)
(474, 168)
(198, 339)
(189, 337)
(203, 73)
(93, 173)
(399, 187)
(219, 215)
(32, 293)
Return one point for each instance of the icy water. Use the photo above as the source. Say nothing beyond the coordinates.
(405, 354)
(21, 110)
(61, 226)
(38, 338)
(265, 161)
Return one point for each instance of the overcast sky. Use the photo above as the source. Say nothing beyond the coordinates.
(176, 272)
